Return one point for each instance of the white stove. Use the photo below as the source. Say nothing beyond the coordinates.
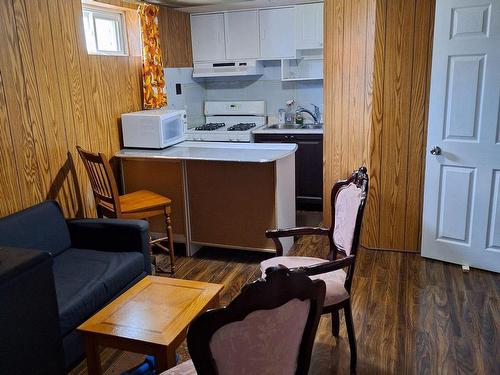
(229, 121)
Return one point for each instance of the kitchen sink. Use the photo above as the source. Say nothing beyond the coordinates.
(283, 126)
(294, 126)
(311, 126)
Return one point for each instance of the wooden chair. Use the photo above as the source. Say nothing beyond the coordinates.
(269, 328)
(141, 204)
(348, 199)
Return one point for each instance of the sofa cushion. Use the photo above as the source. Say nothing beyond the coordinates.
(41, 227)
(88, 279)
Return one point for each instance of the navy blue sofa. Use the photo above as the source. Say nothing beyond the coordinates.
(94, 261)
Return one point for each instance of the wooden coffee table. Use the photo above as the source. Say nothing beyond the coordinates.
(151, 318)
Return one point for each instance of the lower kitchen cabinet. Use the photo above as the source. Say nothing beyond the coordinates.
(308, 166)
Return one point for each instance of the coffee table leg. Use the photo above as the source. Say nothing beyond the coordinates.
(165, 359)
(93, 357)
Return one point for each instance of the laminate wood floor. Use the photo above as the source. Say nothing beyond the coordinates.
(411, 315)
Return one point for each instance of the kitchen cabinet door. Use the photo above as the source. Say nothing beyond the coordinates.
(308, 166)
(242, 34)
(277, 36)
(309, 171)
(207, 33)
(309, 26)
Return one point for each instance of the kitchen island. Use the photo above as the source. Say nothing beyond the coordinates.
(223, 194)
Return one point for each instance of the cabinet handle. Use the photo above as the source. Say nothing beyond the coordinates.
(292, 137)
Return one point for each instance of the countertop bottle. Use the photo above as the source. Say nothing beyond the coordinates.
(289, 112)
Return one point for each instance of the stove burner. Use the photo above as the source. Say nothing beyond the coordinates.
(242, 126)
(211, 126)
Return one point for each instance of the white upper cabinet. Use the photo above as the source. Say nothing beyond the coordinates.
(242, 34)
(309, 26)
(207, 33)
(277, 37)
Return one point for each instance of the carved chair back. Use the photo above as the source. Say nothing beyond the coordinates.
(268, 328)
(348, 200)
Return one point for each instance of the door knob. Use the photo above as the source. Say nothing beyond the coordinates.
(436, 150)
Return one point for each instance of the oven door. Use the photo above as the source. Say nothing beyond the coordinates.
(173, 129)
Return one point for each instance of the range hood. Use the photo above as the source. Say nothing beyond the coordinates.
(238, 68)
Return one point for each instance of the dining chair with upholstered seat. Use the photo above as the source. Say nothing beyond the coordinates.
(348, 198)
(141, 204)
(269, 328)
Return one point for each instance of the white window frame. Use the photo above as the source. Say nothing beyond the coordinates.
(108, 14)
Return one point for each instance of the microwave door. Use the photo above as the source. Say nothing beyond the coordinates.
(172, 130)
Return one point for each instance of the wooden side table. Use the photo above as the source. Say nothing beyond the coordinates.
(151, 318)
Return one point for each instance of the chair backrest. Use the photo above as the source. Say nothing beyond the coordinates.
(102, 181)
(348, 203)
(268, 328)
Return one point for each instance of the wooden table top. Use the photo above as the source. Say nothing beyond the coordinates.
(156, 310)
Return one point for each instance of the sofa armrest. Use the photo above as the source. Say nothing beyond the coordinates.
(115, 235)
(29, 319)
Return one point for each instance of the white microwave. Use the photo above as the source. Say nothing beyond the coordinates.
(154, 128)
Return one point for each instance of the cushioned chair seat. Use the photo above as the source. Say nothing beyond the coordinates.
(335, 290)
(185, 368)
(87, 279)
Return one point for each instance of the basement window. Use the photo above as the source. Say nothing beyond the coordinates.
(104, 31)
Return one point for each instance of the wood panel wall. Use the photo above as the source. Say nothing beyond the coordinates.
(175, 38)
(348, 72)
(378, 111)
(54, 96)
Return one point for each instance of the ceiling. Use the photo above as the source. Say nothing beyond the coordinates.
(193, 3)
(193, 6)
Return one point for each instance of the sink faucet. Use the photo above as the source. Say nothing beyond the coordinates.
(316, 115)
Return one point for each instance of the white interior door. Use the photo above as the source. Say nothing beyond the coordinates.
(461, 218)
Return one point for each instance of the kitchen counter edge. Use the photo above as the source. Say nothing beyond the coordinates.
(288, 131)
(214, 151)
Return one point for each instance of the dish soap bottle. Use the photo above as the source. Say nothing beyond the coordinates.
(299, 119)
(289, 112)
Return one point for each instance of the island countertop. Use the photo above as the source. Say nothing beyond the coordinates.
(215, 151)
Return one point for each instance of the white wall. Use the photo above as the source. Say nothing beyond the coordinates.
(193, 94)
(269, 87)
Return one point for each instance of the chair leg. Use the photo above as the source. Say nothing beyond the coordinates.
(351, 335)
(168, 222)
(335, 323)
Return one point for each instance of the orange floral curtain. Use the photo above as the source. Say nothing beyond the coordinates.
(153, 79)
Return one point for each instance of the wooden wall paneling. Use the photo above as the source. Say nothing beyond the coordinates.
(332, 114)
(134, 76)
(371, 225)
(418, 122)
(343, 142)
(175, 38)
(57, 96)
(64, 186)
(30, 182)
(347, 90)
(376, 110)
(31, 83)
(71, 29)
(357, 127)
(55, 112)
(91, 101)
(370, 233)
(110, 88)
(9, 183)
(397, 96)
